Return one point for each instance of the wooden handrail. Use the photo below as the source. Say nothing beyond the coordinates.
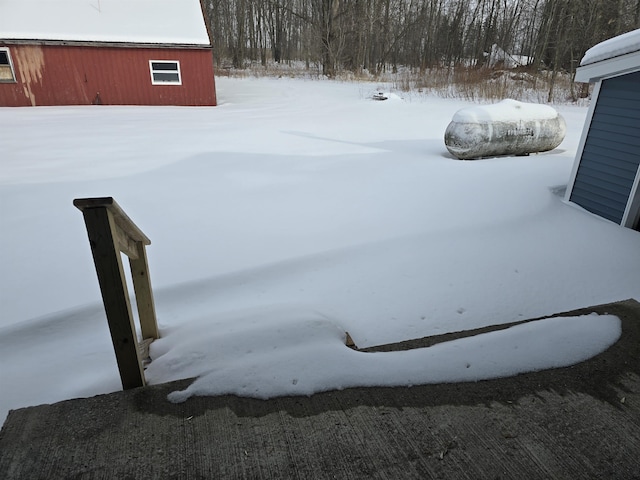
(110, 232)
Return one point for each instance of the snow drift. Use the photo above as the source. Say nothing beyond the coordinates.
(278, 223)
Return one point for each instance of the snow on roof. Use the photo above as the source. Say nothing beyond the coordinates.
(614, 47)
(130, 21)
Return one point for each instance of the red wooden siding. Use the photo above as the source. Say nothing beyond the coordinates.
(83, 75)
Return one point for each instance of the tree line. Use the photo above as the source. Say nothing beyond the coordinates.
(378, 35)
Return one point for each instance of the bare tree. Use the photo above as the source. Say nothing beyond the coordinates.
(418, 34)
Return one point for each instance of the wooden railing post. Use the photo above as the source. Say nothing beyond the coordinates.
(110, 232)
(144, 294)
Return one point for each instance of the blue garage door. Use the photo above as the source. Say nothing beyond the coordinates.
(611, 152)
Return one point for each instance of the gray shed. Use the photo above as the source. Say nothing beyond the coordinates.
(606, 172)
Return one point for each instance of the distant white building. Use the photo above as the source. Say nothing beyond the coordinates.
(498, 56)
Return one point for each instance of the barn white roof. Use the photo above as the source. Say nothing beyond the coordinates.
(128, 21)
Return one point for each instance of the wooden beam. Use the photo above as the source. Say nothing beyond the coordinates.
(110, 232)
(348, 341)
(121, 218)
(125, 243)
(101, 228)
(143, 350)
(144, 293)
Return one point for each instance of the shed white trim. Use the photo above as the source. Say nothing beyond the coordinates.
(631, 217)
(611, 67)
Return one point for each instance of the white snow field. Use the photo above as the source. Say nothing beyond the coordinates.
(294, 211)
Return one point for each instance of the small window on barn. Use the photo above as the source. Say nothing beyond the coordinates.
(6, 67)
(165, 72)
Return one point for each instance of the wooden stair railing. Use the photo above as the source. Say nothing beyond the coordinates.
(110, 232)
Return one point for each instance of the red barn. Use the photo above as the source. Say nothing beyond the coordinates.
(109, 52)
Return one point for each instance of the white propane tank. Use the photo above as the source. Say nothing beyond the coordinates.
(505, 128)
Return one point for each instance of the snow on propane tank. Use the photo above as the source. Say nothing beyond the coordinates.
(505, 128)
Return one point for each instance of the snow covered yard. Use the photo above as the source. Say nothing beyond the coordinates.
(291, 213)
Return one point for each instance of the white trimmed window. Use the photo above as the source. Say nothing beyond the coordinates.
(165, 72)
(7, 74)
